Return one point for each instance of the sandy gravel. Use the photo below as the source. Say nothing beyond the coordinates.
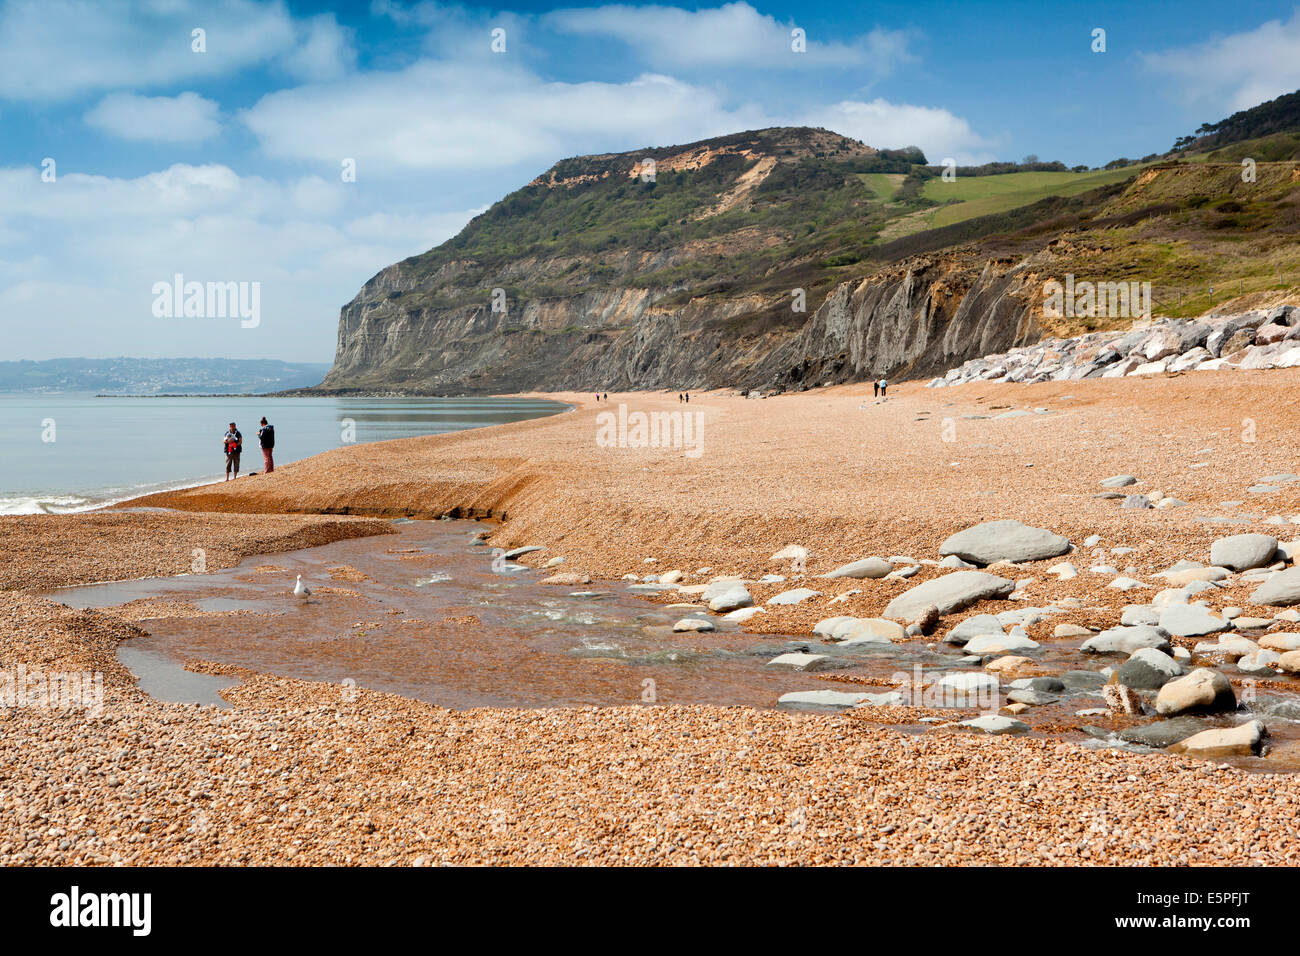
(313, 773)
(828, 469)
(49, 551)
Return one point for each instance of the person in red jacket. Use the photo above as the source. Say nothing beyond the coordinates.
(233, 442)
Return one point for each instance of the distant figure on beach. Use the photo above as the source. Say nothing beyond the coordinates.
(266, 438)
(688, 398)
(607, 396)
(875, 388)
(883, 385)
(233, 442)
(679, 398)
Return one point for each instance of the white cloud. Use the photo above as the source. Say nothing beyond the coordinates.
(939, 133)
(1238, 70)
(325, 50)
(454, 116)
(55, 49)
(731, 35)
(81, 255)
(188, 118)
(461, 116)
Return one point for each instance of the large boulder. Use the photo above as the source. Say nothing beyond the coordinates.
(1281, 589)
(1241, 741)
(1004, 541)
(1268, 334)
(1203, 689)
(951, 592)
(1126, 640)
(1243, 551)
(1191, 620)
(1148, 669)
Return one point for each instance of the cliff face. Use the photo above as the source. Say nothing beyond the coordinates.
(686, 279)
(927, 316)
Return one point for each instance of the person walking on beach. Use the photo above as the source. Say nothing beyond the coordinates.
(233, 442)
(266, 438)
(688, 398)
(875, 388)
(883, 385)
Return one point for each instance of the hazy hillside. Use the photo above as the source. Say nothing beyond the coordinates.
(137, 376)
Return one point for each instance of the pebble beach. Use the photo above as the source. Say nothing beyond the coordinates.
(777, 492)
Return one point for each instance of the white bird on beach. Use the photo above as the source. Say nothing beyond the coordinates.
(300, 590)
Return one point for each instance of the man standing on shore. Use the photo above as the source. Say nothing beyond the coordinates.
(233, 442)
(266, 438)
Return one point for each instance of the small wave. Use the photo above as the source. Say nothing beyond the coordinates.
(49, 504)
(103, 498)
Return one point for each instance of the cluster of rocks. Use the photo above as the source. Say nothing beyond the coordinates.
(1158, 671)
(1252, 340)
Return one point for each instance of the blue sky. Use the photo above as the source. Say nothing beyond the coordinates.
(225, 165)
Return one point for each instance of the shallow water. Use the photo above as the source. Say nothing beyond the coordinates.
(423, 614)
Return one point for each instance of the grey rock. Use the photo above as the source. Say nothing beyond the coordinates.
(824, 698)
(991, 724)
(1135, 501)
(1126, 640)
(1241, 741)
(862, 568)
(973, 626)
(799, 661)
(1034, 698)
(1139, 614)
(1118, 481)
(1243, 551)
(951, 592)
(1004, 540)
(1281, 589)
(1191, 620)
(1078, 682)
(1163, 733)
(1148, 669)
(1045, 685)
(1014, 643)
(519, 552)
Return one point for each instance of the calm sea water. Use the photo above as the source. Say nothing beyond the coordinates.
(107, 449)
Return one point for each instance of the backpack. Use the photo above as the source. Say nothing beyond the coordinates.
(267, 436)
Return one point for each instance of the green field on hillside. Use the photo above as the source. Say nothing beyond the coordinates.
(983, 195)
(884, 185)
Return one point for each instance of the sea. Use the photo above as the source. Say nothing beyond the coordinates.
(68, 452)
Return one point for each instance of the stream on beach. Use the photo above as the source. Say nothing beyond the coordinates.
(435, 614)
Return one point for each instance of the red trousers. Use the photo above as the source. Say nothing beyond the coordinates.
(266, 456)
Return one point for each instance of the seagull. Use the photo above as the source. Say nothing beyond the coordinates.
(301, 591)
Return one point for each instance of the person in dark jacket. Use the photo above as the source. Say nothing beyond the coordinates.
(233, 443)
(266, 438)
